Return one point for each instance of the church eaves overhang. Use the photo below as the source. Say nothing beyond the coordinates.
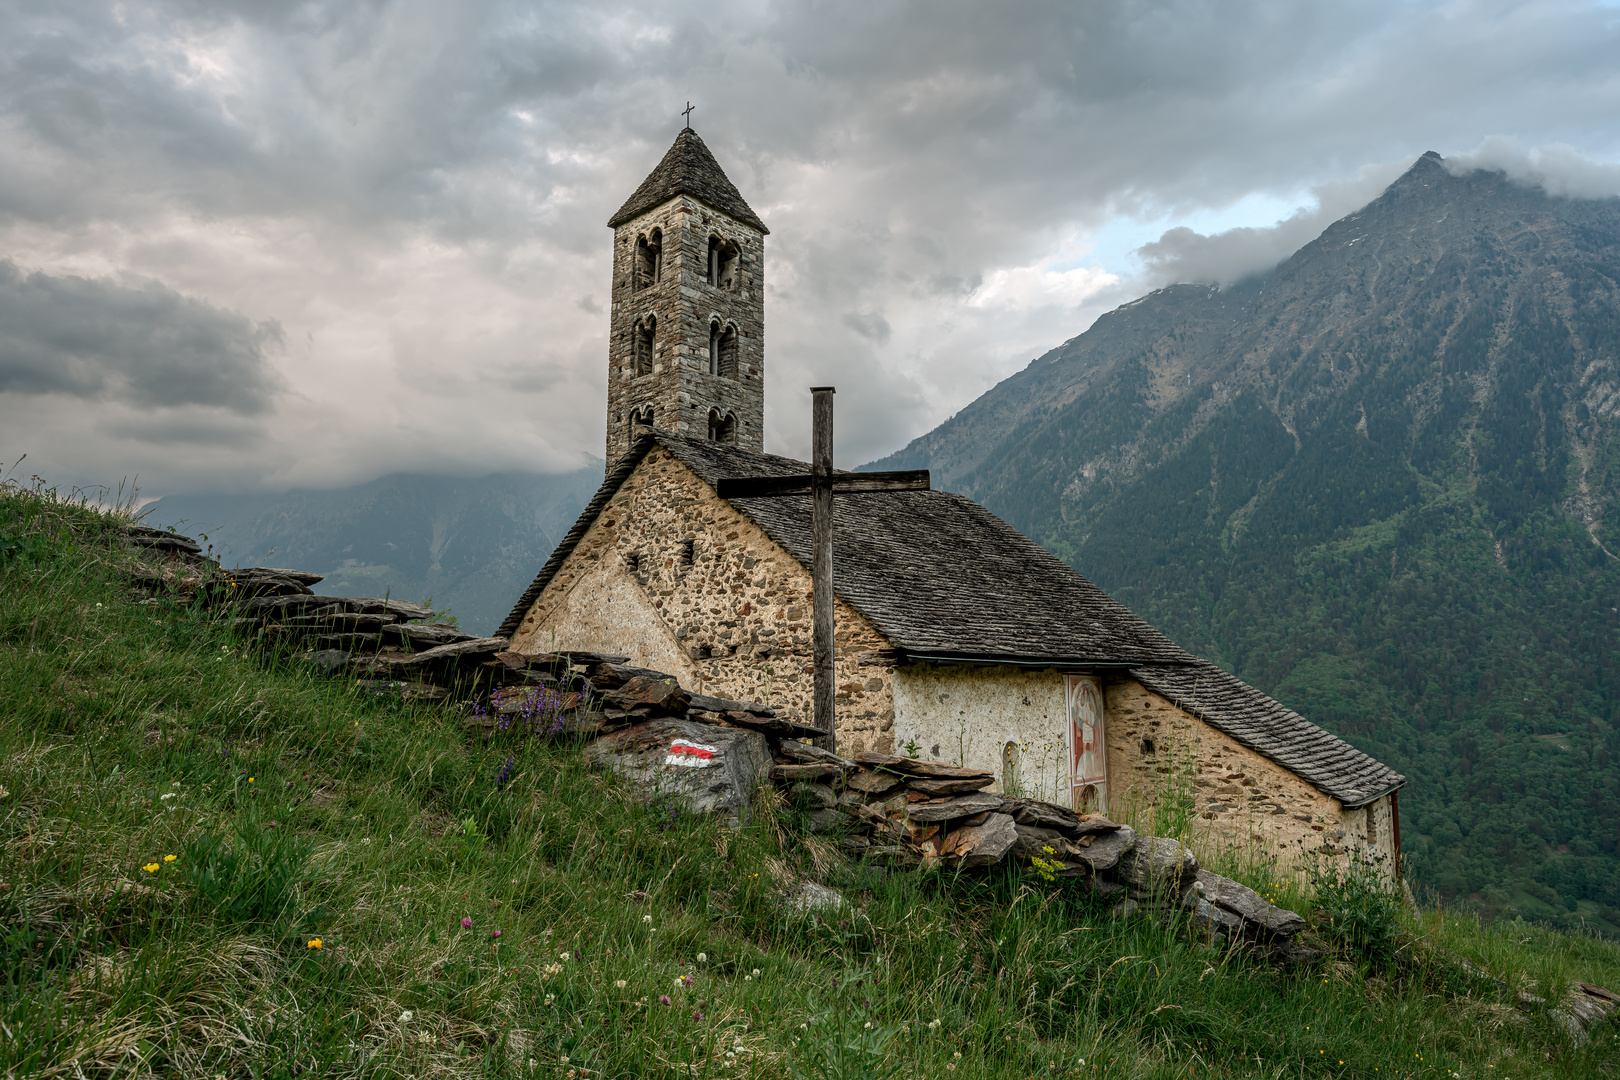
(946, 581)
(688, 169)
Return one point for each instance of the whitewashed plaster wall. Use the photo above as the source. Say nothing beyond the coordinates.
(967, 715)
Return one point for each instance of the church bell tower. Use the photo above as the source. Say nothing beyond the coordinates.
(686, 350)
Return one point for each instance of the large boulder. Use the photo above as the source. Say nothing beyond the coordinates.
(1250, 906)
(1156, 866)
(705, 769)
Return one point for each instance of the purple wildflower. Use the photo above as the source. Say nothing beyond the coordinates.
(466, 922)
(663, 999)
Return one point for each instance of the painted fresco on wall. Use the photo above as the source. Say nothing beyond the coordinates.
(1088, 759)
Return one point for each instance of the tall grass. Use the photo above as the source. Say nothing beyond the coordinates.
(356, 890)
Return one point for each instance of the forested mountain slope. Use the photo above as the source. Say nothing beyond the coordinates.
(1380, 484)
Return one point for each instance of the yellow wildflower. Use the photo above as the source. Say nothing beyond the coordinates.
(315, 943)
(170, 858)
(150, 868)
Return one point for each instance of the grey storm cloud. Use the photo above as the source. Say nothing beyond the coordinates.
(139, 342)
(1183, 255)
(417, 191)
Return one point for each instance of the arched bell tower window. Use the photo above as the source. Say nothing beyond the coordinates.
(722, 263)
(722, 429)
(648, 262)
(644, 335)
(714, 348)
(640, 420)
(726, 353)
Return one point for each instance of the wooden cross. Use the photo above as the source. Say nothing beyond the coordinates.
(687, 112)
(821, 484)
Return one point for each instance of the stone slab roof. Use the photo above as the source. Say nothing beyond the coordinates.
(688, 169)
(1270, 728)
(944, 579)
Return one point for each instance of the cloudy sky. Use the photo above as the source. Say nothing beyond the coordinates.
(254, 245)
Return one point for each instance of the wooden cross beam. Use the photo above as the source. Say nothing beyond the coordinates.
(821, 485)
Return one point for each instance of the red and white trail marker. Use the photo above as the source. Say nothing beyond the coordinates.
(690, 754)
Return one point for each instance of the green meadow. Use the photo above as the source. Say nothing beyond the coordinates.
(220, 863)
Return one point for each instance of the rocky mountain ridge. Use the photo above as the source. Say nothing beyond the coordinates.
(1379, 483)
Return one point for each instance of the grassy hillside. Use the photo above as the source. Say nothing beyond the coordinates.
(218, 863)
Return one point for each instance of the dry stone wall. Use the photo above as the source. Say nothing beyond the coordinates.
(671, 569)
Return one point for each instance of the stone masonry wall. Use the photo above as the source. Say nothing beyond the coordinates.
(1242, 798)
(671, 570)
(679, 388)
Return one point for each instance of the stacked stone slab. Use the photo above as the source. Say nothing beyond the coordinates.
(913, 812)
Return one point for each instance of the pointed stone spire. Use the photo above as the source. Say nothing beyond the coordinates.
(688, 169)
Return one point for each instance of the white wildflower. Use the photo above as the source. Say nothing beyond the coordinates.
(620, 983)
(756, 973)
(407, 1016)
(703, 958)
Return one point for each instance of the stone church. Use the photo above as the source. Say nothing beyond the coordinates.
(958, 638)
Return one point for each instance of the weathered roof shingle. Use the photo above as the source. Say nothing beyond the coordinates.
(688, 169)
(1271, 728)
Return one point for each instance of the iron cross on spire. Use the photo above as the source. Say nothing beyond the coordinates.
(821, 484)
(687, 112)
